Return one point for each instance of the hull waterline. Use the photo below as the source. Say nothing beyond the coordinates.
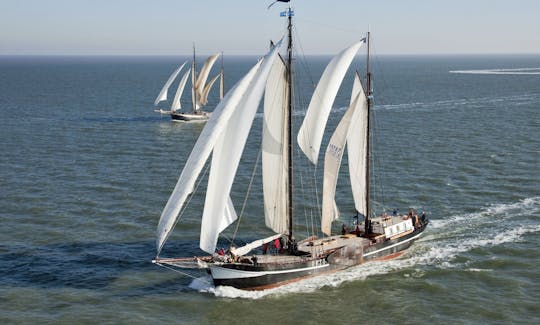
(190, 117)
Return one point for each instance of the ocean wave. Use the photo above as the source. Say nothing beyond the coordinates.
(518, 71)
(436, 105)
(453, 103)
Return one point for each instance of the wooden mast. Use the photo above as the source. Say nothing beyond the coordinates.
(289, 126)
(368, 158)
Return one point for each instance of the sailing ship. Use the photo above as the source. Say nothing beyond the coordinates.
(200, 90)
(252, 266)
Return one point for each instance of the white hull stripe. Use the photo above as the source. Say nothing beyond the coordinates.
(391, 246)
(219, 272)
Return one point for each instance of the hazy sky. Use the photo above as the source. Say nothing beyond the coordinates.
(245, 26)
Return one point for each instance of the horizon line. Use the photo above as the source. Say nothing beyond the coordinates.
(239, 55)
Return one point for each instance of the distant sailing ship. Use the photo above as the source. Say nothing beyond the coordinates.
(224, 136)
(199, 91)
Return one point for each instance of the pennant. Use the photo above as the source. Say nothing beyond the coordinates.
(273, 3)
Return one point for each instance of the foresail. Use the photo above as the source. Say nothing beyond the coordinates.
(357, 150)
(227, 153)
(163, 93)
(312, 129)
(176, 105)
(274, 149)
(332, 162)
(347, 127)
(212, 130)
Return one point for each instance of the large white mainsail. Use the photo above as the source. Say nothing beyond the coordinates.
(176, 105)
(163, 93)
(274, 149)
(334, 153)
(226, 157)
(312, 129)
(213, 129)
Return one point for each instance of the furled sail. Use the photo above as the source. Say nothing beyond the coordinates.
(312, 129)
(357, 150)
(274, 149)
(200, 153)
(334, 154)
(240, 251)
(163, 93)
(176, 105)
(226, 157)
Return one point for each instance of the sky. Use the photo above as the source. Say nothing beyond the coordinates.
(171, 27)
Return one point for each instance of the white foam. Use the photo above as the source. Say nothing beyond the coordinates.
(519, 71)
(202, 284)
(443, 241)
(453, 103)
(479, 270)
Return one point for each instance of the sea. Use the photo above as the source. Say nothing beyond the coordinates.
(86, 167)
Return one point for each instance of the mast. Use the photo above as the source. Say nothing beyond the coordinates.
(289, 124)
(368, 158)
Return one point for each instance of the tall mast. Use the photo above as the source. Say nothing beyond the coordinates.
(368, 158)
(289, 124)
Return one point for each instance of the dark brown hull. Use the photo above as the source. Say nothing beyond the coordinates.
(268, 275)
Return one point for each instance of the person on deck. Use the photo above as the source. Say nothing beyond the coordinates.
(277, 245)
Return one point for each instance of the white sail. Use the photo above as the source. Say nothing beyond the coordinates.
(333, 156)
(226, 157)
(176, 105)
(357, 150)
(163, 93)
(274, 149)
(221, 83)
(204, 94)
(312, 129)
(194, 96)
(200, 153)
(203, 74)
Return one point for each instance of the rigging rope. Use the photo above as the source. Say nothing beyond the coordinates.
(379, 160)
(259, 154)
(183, 273)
